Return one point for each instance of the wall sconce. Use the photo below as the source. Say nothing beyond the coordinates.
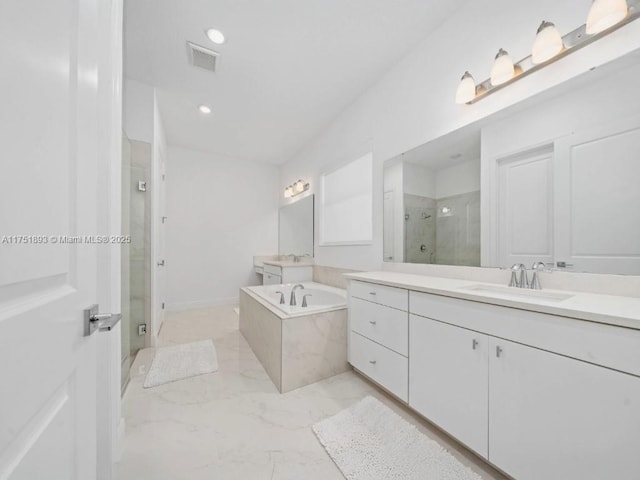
(605, 16)
(296, 188)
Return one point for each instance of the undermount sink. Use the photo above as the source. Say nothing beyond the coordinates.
(518, 292)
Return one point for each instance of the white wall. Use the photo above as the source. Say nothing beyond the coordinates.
(138, 110)
(414, 102)
(419, 180)
(457, 179)
(221, 212)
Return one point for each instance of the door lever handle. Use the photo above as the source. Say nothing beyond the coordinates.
(99, 321)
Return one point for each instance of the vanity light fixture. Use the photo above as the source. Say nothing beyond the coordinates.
(605, 16)
(216, 36)
(466, 89)
(296, 188)
(548, 43)
(503, 69)
(204, 109)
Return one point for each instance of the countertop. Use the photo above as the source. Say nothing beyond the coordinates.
(287, 263)
(607, 309)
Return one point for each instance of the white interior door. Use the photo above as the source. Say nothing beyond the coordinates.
(597, 218)
(525, 205)
(48, 196)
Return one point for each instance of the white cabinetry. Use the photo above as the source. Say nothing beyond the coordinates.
(277, 274)
(555, 417)
(379, 335)
(448, 373)
(537, 395)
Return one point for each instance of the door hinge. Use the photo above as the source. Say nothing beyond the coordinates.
(162, 305)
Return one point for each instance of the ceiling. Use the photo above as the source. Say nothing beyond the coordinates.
(287, 69)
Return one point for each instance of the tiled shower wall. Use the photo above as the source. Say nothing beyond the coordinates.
(434, 237)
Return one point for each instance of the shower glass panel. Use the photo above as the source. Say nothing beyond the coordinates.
(136, 163)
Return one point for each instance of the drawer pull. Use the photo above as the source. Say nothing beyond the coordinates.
(372, 362)
(372, 293)
(372, 322)
(474, 344)
(498, 351)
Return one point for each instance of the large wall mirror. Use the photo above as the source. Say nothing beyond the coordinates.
(295, 228)
(555, 180)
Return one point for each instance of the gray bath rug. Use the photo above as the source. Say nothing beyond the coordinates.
(181, 361)
(368, 441)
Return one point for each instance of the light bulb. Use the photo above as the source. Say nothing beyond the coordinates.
(287, 192)
(204, 109)
(604, 14)
(466, 89)
(548, 43)
(299, 186)
(503, 69)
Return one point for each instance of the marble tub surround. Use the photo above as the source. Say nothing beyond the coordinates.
(294, 350)
(331, 276)
(607, 309)
(234, 424)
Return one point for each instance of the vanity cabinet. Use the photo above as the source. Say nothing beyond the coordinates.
(538, 395)
(556, 417)
(279, 274)
(448, 379)
(379, 335)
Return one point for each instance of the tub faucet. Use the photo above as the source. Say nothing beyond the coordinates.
(292, 301)
(281, 298)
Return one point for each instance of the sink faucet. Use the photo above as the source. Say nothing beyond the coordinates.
(535, 281)
(292, 301)
(519, 276)
(515, 269)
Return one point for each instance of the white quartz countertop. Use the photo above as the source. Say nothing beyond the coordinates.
(287, 263)
(608, 309)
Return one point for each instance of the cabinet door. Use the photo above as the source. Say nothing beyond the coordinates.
(448, 379)
(553, 417)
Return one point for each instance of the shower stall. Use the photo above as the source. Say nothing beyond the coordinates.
(136, 223)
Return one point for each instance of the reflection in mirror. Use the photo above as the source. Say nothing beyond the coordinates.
(559, 183)
(295, 232)
(432, 203)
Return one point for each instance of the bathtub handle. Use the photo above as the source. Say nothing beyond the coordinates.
(281, 298)
(304, 299)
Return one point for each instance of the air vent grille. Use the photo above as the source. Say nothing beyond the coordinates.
(202, 57)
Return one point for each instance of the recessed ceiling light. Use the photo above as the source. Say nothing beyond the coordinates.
(216, 36)
(204, 109)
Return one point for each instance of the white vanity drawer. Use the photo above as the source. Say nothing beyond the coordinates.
(389, 296)
(273, 269)
(384, 325)
(271, 279)
(385, 367)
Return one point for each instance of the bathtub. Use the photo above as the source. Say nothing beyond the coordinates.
(323, 298)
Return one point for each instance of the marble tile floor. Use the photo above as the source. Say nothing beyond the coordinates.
(233, 424)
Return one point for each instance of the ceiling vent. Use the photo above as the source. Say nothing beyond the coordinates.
(202, 57)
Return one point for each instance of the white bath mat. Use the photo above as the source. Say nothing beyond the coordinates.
(368, 441)
(181, 361)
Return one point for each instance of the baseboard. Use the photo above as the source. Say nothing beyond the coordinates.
(214, 302)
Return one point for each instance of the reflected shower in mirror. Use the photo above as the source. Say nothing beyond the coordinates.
(295, 232)
(556, 181)
(432, 204)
